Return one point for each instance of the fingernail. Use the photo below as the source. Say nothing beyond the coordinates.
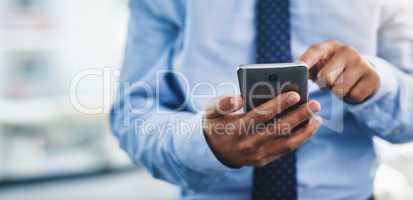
(293, 98)
(304, 63)
(318, 119)
(315, 106)
(233, 101)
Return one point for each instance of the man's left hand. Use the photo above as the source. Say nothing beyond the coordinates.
(341, 69)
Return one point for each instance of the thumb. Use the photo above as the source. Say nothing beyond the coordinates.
(224, 106)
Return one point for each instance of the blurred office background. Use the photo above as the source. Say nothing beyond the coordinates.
(50, 150)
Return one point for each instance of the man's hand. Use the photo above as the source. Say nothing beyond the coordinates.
(342, 69)
(240, 139)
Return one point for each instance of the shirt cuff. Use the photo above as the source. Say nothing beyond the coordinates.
(193, 151)
(388, 84)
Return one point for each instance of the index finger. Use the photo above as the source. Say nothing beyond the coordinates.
(319, 52)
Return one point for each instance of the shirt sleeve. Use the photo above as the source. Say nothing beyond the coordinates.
(389, 113)
(149, 117)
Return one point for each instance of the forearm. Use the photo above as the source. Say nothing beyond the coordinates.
(170, 144)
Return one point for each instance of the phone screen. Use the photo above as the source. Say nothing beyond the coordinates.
(260, 83)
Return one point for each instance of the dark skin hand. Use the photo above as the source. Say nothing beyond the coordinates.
(237, 146)
(332, 65)
(343, 70)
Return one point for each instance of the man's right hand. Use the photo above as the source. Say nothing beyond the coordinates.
(240, 139)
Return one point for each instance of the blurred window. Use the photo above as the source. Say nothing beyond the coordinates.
(44, 45)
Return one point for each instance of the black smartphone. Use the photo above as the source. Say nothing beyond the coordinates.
(262, 82)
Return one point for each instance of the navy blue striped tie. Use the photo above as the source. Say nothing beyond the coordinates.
(276, 180)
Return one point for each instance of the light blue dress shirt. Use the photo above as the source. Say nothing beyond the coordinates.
(188, 50)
